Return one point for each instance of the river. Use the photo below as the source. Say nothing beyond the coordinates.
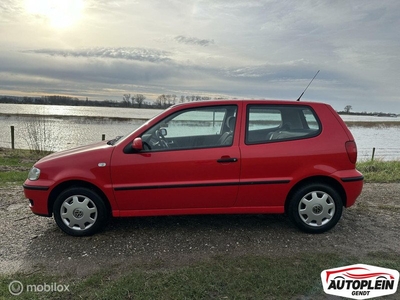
(70, 126)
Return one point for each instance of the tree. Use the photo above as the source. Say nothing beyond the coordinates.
(173, 98)
(168, 100)
(161, 101)
(125, 99)
(347, 108)
(138, 98)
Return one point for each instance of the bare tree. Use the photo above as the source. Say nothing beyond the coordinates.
(161, 100)
(347, 108)
(173, 99)
(39, 136)
(126, 99)
(169, 97)
(138, 98)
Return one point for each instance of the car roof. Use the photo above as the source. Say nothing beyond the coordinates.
(246, 101)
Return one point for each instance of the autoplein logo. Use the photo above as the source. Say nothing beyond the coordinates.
(360, 281)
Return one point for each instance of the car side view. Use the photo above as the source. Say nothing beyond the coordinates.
(208, 157)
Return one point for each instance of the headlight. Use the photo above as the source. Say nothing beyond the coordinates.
(34, 174)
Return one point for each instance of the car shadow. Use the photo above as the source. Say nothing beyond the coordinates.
(166, 238)
(190, 223)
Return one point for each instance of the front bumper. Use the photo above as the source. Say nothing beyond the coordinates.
(38, 199)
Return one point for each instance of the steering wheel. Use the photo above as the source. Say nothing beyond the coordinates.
(161, 140)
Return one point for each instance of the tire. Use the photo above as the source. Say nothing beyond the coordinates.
(315, 208)
(79, 211)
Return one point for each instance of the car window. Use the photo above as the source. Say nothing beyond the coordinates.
(193, 128)
(311, 120)
(196, 122)
(268, 123)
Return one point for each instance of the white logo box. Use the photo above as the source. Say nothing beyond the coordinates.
(360, 281)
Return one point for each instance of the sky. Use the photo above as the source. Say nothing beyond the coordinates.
(252, 49)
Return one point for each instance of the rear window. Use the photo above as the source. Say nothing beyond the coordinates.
(267, 123)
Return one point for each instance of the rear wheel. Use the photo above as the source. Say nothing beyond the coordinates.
(315, 208)
(79, 211)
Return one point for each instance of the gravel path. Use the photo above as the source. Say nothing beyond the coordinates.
(31, 243)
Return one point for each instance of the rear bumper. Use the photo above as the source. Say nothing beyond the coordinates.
(38, 199)
(351, 179)
(352, 182)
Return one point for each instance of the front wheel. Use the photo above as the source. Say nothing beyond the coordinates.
(79, 211)
(315, 208)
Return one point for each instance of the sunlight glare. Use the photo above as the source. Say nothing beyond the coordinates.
(59, 13)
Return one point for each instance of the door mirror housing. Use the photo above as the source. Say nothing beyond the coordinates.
(137, 144)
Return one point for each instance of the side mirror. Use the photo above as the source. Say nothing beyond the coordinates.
(137, 144)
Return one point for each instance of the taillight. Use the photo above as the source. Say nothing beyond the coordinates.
(351, 149)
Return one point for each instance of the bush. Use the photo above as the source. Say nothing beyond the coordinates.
(39, 137)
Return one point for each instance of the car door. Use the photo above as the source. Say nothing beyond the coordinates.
(275, 148)
(184, 164)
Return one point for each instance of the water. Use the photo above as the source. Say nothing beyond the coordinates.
(77, 129)
(385, 140)
(79, 111)
(83, 125)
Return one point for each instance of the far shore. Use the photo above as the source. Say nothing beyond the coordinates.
(353, 123)
(94, 118)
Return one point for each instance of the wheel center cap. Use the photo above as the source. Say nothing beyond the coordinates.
(317, 209)
(77, 213)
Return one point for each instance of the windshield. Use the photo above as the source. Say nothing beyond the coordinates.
(121, 138)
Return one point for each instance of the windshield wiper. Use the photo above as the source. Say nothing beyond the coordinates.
(113, 141)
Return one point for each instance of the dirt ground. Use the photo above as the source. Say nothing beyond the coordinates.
(30, 243)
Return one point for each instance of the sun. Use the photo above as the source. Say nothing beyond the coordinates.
(58, 13)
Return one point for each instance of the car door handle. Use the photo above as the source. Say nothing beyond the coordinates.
(227, 160)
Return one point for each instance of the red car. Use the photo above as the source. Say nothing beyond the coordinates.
(209, 157)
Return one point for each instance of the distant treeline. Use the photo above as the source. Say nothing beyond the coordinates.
(137, 101)
(372, 114)
(58, 100)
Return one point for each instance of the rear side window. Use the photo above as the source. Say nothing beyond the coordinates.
(268, 123)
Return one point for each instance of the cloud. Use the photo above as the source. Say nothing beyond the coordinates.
(9, 6)
(193, 41)
(139, 54)
(247, 49)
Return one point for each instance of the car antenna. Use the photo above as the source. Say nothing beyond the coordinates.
(298, 99)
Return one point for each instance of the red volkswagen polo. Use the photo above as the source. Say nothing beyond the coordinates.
(210, 157)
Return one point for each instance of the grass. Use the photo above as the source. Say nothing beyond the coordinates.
(380, 171)
(246, 277)
(15, 165)
(221, 277)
